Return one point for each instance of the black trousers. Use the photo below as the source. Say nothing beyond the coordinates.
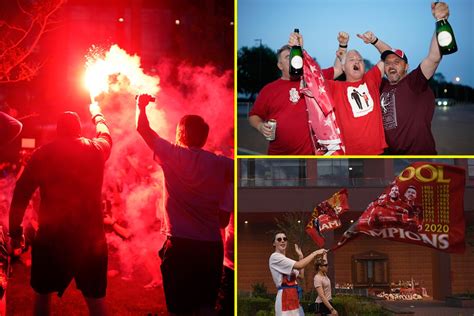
(322, 309)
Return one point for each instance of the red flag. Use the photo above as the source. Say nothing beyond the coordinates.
(325, 216)
(322, 120)
(423, 206)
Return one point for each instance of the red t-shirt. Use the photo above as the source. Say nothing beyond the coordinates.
(407, 111)
(280, 100)
(357, 108)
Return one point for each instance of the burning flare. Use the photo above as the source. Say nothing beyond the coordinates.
(115, 70)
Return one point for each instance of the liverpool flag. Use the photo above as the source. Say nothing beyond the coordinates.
(322, 120)
(325, 216)
(424, 205)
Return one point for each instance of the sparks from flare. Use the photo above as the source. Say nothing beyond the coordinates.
(114, 70)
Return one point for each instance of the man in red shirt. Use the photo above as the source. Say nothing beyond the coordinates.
(407, 101)
(358, 116)
(281, 100)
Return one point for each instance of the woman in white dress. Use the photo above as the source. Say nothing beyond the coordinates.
(285, 272)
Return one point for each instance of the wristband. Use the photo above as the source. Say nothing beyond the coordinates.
(343, 46)
(375, 42)
(98, 118)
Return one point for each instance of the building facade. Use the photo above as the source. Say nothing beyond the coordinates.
(286, 190)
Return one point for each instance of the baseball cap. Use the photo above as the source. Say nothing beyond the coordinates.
(397, 52)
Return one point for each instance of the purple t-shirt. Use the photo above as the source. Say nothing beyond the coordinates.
(407, 111)
(196, 182)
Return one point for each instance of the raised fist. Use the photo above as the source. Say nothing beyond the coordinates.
(343, 38)
(368, 37)
(296, 39)
(440, 10)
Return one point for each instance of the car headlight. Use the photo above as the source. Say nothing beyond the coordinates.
(445, 102)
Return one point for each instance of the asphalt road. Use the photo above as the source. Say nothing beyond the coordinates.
(452, 128)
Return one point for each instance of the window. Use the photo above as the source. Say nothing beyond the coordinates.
(470, 165)
(370, 270)
(333, 172)
(273, 172)
(339, 172)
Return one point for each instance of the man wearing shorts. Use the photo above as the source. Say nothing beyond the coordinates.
(70, 242)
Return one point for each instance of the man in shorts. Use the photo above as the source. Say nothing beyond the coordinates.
(70, 242)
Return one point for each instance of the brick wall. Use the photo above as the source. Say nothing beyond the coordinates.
(254, 249)
(462, 271)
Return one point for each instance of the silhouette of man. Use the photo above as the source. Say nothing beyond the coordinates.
(196, 181)
(70, 241)
(355, 96)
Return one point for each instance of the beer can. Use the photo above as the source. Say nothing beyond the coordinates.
(273, 125)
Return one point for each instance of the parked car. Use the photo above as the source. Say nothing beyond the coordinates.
(445, 102)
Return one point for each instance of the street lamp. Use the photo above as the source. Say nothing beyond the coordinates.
(457, 79)
(259, 40)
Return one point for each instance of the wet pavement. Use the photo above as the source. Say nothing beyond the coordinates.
(453, 129)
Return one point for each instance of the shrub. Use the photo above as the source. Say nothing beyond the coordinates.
(259, 290)
(253, 305)
(357, 305)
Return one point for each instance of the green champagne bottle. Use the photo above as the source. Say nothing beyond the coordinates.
(296, 61)
(445, 35)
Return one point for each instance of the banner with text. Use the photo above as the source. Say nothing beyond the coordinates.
(423, 206)
(325, 216)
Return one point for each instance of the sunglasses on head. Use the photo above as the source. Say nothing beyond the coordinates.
(279, 239)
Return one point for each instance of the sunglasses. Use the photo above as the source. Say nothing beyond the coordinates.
(279, 239)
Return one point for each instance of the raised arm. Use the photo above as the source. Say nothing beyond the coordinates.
(343, 39)
(143, 125)
(300, 264)
(429, 65)
(102, 140)
(300, 257)
(370, 38)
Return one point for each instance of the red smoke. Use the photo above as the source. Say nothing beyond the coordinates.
(133, 180)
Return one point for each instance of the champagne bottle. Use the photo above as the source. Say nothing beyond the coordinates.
(445, 36)
(296, 61)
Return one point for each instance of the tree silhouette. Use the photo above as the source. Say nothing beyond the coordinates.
(257, 66)
(20, 37)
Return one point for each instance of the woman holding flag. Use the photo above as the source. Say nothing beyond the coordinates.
(284, 273)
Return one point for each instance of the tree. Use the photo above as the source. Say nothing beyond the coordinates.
(439, 77)
(257, 66)
(21, 36)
